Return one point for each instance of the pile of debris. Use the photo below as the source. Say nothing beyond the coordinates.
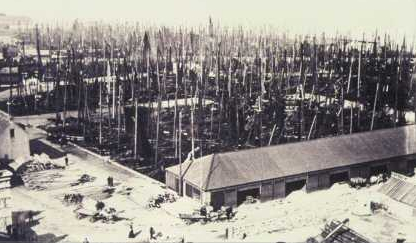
(250, 200)
(99, 213)
(83, 179)
(39, 163)
(375, 206)
(126, 191)
(338, 232)
(73, 198)
(358, 182)
(40, 181)
(207, 214)
(155, 202)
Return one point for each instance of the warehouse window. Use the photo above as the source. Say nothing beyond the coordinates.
(176, 185)
(12, 133)
(196, 193)
(188, 190)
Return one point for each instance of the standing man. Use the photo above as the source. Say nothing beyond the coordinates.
(152, 233)
(131, 233)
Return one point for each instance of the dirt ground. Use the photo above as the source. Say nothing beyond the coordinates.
(292, 219)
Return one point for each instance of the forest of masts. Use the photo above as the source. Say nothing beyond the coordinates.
(149, 96)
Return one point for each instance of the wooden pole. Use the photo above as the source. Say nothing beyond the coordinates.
(192, 127)
(351, 116)
(158, 111)
(101, 115)
(359, 86)
(113, 83)
(271, 135)
(136, 132)
(374, 107)
(175, 111)
(180, 153)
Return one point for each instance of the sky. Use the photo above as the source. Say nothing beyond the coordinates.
(396, 17)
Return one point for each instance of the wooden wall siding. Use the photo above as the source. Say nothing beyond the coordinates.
(13, 148)
(403, 167)
(296, 178)
(196, 193)
(324, 181)
(248, 187)
(339, 170)
(317, 181)
(312, 182)
(411, 165)
(170, 181)
(360, 171)
(279, 189)
(394, 166)
(276, 188)
(206, 198)
(217, 199)
(230, 197)
(266, 191)
(188, 190)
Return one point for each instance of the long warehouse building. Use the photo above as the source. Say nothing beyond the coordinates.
(276, 171)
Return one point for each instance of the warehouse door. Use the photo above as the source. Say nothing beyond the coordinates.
(380, 169)
(177, 185)
(242, 195)
(294, 186)
(339, 177)
(411, 166)
(217, 200)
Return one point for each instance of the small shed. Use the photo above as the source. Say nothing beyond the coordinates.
(14, 140)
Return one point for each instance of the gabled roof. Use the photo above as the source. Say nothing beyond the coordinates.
(252, 165)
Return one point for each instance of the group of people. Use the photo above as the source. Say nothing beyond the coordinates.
(152, 233)
(73, 198)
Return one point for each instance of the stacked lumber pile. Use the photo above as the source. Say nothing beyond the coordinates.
(39, 163)
(342, 235)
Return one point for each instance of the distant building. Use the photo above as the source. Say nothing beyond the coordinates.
(45, 55)
(276, 171)
(14, 141)
(10, 75)
(5, 178)
(11, 22)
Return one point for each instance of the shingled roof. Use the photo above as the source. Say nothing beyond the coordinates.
(222, 170)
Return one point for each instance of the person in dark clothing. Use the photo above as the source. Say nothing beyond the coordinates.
(30, 216)
(152, 233)
(229, 212)
(66, 161)
(203, 211)
(9, 230)
(15, 235)
(131, 233)
(110, 181)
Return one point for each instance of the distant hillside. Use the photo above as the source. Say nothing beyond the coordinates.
(10, 21)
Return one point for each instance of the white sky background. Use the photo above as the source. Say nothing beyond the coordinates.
(396, 17)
